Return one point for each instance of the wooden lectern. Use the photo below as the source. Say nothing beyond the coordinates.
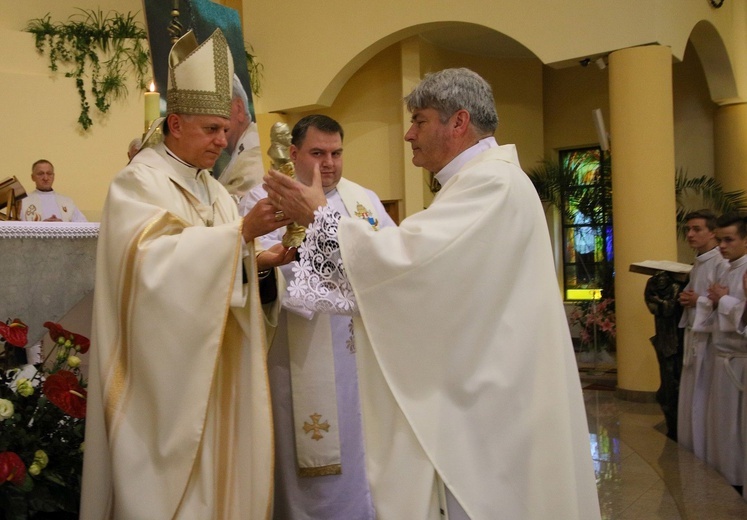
(11, 192)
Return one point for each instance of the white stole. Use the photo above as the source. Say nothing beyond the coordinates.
(312, 368)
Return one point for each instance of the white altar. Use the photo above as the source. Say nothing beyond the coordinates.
(47, 274)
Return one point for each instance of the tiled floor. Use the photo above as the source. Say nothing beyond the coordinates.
(643, 475)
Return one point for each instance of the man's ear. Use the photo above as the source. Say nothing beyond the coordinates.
(293, 152)
(460, 121)
(175, 124)
(238, 109)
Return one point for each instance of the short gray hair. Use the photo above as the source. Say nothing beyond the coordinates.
(455, 89)
(240, 92)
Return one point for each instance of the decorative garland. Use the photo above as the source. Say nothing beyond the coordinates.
(106, 49)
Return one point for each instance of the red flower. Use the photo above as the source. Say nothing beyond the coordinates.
(15, 333)
(12, 468)
(64, 390)
(57, 333)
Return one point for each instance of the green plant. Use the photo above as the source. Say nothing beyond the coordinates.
(551, 179)
(105, 49)
(709, 193)
(554, 180)
(579, 186)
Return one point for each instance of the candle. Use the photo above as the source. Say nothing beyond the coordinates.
(152, 106)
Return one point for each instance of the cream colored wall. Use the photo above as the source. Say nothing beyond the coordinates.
(517, 89)
(40, 109)
(693, 129)
(87, 161)
(570, 94)
(288, 35)
(368, 108)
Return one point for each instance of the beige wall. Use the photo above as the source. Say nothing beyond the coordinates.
(363, 86)
(288, 35)
(41, 108)
(693, 129)
(368, 108)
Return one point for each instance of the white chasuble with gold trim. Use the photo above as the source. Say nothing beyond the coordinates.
(179, 423)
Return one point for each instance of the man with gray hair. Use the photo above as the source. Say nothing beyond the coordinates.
(470, 393)
(239, 167)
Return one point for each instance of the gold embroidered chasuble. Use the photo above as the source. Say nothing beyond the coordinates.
(179, 423)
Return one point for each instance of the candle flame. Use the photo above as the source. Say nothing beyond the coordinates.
(152, 86)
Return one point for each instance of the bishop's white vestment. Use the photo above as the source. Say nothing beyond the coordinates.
(244, 169)
(343, 496)
(179, 423)
(467, 373)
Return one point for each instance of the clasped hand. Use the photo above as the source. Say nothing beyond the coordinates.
(716, 291)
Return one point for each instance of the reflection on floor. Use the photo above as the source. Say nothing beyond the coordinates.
(642, 475)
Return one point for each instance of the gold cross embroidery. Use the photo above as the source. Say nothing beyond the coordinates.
(316, 426)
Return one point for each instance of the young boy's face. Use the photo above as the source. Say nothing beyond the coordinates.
(731, 245)
(699, 237)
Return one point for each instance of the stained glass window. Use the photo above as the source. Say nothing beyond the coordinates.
(587, 223)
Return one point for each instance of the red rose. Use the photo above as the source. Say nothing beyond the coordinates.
(12, 468)
(63, 389)
(15, 333)
(57, 333)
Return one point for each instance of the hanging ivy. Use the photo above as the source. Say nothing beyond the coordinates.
(102, 50)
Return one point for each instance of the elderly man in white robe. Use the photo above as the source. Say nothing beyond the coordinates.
(179, 423)
(320, 473)
(470, 392)
(239, 168)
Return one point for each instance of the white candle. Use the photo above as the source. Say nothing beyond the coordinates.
(152, 106)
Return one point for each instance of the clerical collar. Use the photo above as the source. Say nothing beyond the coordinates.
(702, 257)
(448, 171)
(181, 161)
(738, 262)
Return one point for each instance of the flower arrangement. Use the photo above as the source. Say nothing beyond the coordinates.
(42, 423)
(594, 319)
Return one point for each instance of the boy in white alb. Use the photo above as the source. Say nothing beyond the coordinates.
(697, 365)
(725, 415)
